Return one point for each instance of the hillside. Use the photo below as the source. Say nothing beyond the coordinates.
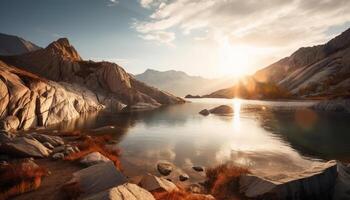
(13, 45)
(180, 83)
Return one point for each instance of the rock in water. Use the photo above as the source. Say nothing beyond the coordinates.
(93, 159)
(165, 168)
(127, 191)
(222, 110)
(315, 183)
(98, 178)
(22, 146)
(150, 183)
(204, 112)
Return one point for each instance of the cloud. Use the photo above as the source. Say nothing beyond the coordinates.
(281, 24)
(160, 36)
(112, 3)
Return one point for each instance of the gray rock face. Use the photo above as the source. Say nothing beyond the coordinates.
(22, 146)
(127, 191)
(93, 159)
(53, 140)
(150, 183)
(98, 178)
(342, 185)
(221, 110)
(315, 183)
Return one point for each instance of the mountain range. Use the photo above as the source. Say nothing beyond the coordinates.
(321, 71)
(181, 84)
(54, 84)
(13, 45)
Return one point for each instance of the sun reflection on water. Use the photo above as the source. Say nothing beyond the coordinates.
(236, 113)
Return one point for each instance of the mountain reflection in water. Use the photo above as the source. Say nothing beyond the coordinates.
(266, 136)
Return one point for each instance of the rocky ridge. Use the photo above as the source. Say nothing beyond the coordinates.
(60, 86)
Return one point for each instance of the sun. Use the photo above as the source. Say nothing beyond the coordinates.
(235, 60)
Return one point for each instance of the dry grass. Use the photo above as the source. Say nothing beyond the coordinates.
(178, 195)
(89, 144)
(17, 178)
(223, 181)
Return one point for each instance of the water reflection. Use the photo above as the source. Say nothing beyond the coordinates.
(236, 114)
(264, 138)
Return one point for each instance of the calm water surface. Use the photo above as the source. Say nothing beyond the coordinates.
(268, 137)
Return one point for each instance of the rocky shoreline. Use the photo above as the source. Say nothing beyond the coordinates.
(95, 172)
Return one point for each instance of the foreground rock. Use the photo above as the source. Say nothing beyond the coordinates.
(315, 183)
(127, 191)
(342, 185)
(93, 159)
(53, 140)
(24, 147)
(98, 178)
(151, 183)
(222, 110)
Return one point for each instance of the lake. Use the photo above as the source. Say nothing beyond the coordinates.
(266, 136)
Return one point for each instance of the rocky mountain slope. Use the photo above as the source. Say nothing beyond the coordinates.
(321, 71)
(13, 45)
(54, 84)
(180, 83)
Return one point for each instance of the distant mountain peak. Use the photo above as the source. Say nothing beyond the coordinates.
(14, 45)
(63, 48)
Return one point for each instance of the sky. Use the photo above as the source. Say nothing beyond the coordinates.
(211, 38)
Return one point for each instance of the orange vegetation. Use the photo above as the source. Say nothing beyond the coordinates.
(89, 144)
(223, 181)
(17, 178)
(178, 195)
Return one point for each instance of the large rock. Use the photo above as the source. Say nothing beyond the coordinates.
(342, 185)
(151, 183)
(222, 110)
(98, 178)
(74, 87)
(93, 159)
(22, 146)
(315, 183)
(127, 191)
(10, 123)
(53, 140)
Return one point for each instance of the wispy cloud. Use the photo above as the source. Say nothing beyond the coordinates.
(283, 24)
(112, 3)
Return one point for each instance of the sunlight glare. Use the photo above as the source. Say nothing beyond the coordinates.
(236, 113)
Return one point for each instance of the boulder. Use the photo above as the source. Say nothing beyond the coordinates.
(151, 183)
(53, 140)
(22, 146)
(165, 168)
(204, 112)
(97, 178)
(127, 191)
(58, 156)
(183, 177)
(221, 110)
(342, 185)
(48, 145)
(6, 137)
(314, 183)
(93, 159)
(10, 123)
(198, 168)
